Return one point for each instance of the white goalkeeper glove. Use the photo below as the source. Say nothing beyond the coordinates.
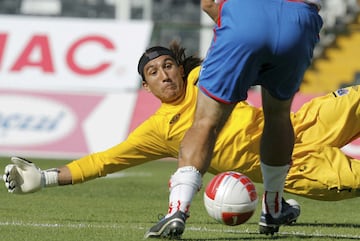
(24, 177)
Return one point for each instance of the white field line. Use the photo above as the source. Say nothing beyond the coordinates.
(190, 228)
(61, 225)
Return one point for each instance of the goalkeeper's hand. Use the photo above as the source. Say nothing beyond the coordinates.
(23, 176)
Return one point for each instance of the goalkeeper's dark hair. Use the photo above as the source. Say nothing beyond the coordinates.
(188, 62)
(176, 52)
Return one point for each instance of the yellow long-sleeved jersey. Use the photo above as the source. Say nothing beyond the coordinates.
(319, 129)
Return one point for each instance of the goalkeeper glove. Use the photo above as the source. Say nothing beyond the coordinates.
(24, 177)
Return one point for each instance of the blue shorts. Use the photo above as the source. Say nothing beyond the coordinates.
(260, 42)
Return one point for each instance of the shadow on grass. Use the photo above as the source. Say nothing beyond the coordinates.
(301, 234)
(316, 224)
(281, 236)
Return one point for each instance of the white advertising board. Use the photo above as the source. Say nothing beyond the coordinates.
(71, 54)
(62, 125)
(67, 86)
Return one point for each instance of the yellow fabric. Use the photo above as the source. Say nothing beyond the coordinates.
(319, 168)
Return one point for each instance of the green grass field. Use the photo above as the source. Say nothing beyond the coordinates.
(125, 205)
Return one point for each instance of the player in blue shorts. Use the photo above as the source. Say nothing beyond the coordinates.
(256, 42)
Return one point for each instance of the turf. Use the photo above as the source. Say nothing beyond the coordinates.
(124, 206)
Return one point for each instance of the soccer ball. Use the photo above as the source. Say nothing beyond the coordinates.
(230, 198)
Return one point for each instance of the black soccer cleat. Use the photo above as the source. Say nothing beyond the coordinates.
(289, 214)
(168, 228)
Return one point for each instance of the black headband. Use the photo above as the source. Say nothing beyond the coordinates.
(150, 54)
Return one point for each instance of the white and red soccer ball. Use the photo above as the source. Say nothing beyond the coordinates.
(230, 198)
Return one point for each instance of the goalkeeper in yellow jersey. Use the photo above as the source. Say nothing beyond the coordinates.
(320, 170)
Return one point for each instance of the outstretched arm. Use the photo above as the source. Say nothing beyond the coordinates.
(23, 176)
(146, 143)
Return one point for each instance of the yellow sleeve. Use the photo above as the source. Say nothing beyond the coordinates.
(154, 139)
(144, 144)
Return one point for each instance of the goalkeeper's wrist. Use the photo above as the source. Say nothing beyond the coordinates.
(50, 177)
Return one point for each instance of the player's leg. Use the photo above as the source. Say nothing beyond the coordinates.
(323, 173)
(276, 148)
(278, 134)
(296, 26)
(194, 161)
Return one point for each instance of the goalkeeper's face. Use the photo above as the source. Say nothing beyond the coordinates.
(164, 79)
